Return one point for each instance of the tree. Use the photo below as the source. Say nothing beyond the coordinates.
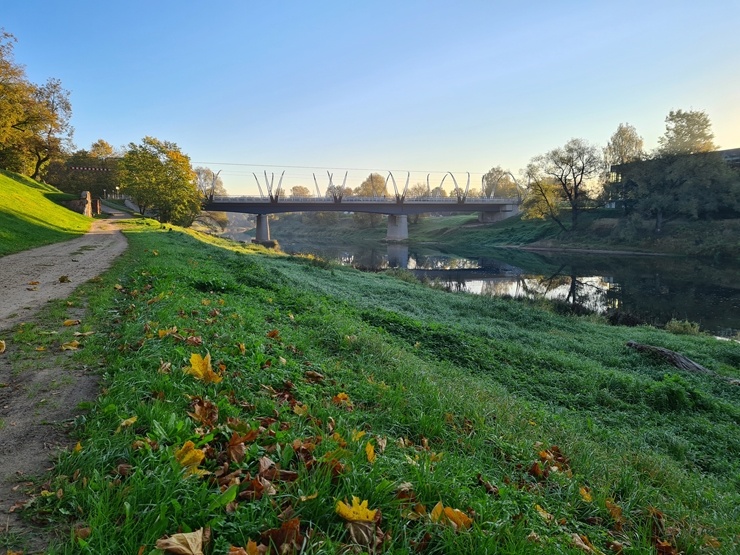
(500, 183)
(158, 176)
(573, 167)
(686, 133)
(542, 197)
(209, 183)
(103, 149)
(373, 186)
(696, 186)
(93, 170)
(624, 147)
(300, 191)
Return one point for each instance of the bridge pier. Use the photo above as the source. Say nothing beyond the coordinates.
(506, 211)
(398, 228)
(262, 233)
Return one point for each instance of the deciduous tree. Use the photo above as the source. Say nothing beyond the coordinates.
(158, 176)
(686, 133)
(573, 167)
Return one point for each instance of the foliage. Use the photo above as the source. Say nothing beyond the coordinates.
(91, 170)
(542, 197)
(34, 119)
(209, 184)
(158, 176)
(572, 168)
(687, 132)
(300, 191)
(682, 327)
(499, 182)
(373, 186)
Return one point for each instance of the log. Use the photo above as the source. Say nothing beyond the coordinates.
(676, 359)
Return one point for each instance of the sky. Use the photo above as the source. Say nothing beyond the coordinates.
(426, 87)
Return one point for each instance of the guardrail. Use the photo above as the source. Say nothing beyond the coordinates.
(349, 200)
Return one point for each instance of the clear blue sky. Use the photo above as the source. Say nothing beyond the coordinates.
(425, 86)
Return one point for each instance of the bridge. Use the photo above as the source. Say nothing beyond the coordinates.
(396, 207)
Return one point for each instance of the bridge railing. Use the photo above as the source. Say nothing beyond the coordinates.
(350, 200)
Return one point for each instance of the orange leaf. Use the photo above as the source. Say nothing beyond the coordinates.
(341, 399)
(458, 518)
(436, 512)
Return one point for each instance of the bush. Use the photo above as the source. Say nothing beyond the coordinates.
(682, 327)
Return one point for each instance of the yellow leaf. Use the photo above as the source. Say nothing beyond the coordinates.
(71, 322)
(39, 348)
(357, 512)
(200, 367)
(585, 492)
(242, 348)
(126, 423)
(2, 346)
(78, 447)
(339, 439)
(300, 410)
(357, 435)
(305, 498)
(183, 544)
(436, 512)
(71, 346)
(83, 334)
(189, 457)
(370, 452)
(118, 287)
(544, 514)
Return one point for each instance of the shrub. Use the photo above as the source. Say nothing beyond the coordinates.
(682, 327)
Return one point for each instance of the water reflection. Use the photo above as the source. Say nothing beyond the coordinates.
(652, 289)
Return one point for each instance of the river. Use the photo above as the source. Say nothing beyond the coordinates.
(653, 289)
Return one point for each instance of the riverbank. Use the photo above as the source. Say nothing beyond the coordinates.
(468, 424)
(600, 230)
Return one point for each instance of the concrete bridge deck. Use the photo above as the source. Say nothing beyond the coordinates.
(396, 208)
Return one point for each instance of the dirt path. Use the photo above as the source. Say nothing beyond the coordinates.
(39, 393)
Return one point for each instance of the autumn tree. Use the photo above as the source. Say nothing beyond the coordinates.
(373, 186)
(573, 167)
(624, 147)
(686, 133)
(208, 184)
(300, 191)
(158, 176)
(500, 183)
(543, 196)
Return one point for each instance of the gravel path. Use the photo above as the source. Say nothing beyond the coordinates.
(39, 393)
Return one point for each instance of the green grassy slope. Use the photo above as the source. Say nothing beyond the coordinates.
(545, 430)
(29, 219)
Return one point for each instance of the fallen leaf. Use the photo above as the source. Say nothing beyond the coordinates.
(33, 283)
(63, 279)
(83, 333)
(2, 346)
(287, 539)
(71, 346)
(370, 452)
(39, 348)
(341, 399)
(357, 511)
(583, 543)
(585, 492)
(189, 457)
(190, 543)
(71, 323)
(544, 514)
(126, 423)
(305, 498)
(200, 367)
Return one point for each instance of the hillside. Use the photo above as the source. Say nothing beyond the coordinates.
(256, 394)
(29, 218)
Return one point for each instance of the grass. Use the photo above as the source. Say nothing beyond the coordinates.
(28, 218)
(544, 430)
